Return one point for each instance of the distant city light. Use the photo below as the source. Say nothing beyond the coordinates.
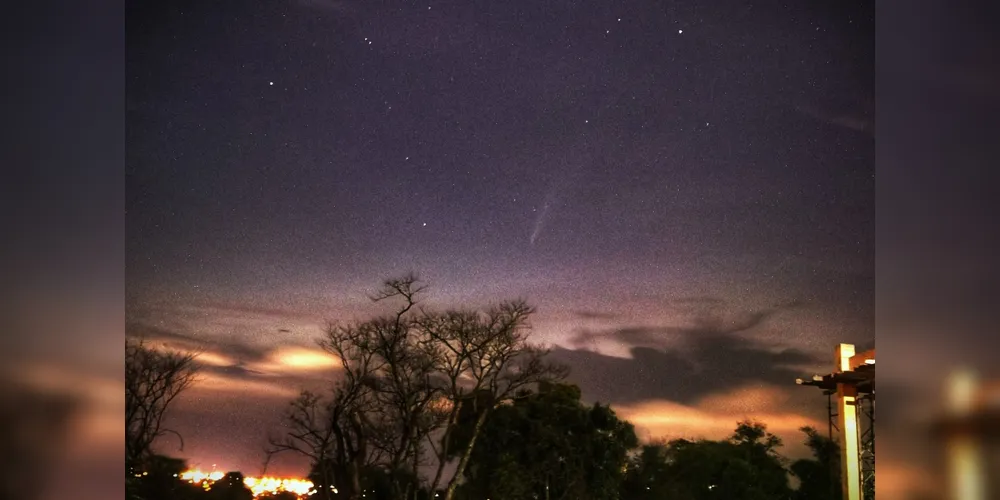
(257, 485)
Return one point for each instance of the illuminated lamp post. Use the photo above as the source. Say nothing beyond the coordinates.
(853, 384)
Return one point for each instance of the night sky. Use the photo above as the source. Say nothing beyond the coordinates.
(685, 190)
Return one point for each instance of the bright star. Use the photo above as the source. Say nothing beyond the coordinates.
(270, 83)
(680, 31)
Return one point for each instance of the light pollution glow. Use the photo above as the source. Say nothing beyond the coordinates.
(259, 486)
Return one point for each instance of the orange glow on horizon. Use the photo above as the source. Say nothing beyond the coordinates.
(258, 485)
(715, 416)
(300, 358)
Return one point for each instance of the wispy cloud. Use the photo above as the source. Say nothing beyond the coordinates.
(713, 349)
(715, 416)
(249, 386)
(697, 316)
(299, 359)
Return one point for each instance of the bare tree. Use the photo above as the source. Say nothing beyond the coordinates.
(153, 380)
(483, 353)
(392, 360)
(407, 386)
(337, 434)
(406, 376)
(325, 431)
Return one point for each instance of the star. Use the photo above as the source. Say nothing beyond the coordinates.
(680, 31)
(270, 83)
(425, 224)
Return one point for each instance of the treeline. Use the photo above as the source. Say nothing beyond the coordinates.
(460, 405)
(549, 445)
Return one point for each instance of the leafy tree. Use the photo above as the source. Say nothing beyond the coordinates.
(819, 477)
(483, 358)
(549, 445)
(648, 475)
(746, 466)
(760, 450)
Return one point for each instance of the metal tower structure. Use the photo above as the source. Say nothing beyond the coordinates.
(852, 383)
(866, 418)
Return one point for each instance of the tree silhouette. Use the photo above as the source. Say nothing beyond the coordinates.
(746, 466)
(819, 477)
(230, 487)
(549, 445)
(153, 380)
(406, 380)
(160, 480)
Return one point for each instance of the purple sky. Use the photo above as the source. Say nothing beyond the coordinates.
(686, 191)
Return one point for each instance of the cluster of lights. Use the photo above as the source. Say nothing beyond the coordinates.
(197, 476)
(257, 485)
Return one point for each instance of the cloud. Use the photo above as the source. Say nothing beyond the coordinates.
(300, 359)
(228, 365)
(215, 349)
(711, 354)
(213, 359)
(716, 416)
(713, 365)
(745, 400)
(708, 317)
(283, 371)
(245, 383)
